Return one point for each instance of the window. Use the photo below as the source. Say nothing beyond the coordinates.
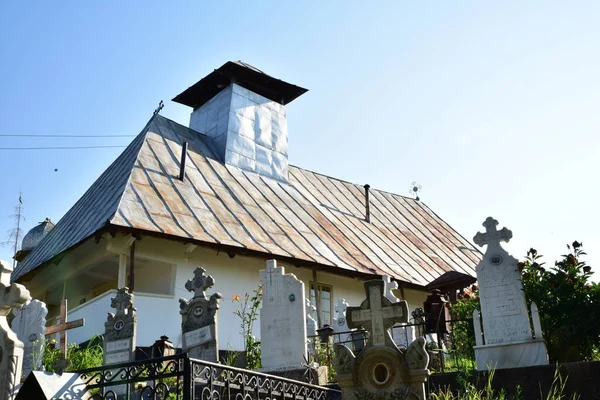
(326, 296)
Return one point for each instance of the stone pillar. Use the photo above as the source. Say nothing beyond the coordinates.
(12, 296)
(199, 325)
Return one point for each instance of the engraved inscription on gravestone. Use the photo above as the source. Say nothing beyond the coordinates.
(503, 306)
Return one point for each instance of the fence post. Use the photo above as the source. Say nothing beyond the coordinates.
(188, 380)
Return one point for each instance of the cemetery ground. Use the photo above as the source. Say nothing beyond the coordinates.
(564, 293)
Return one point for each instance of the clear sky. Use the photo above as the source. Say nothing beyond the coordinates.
(491, 106)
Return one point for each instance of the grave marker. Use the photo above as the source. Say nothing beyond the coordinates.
(377, 314)
(199, 318)
(30, 326)
(380, 370)
(12, 296)
(507, 339)
(282, 319)
(120, 329)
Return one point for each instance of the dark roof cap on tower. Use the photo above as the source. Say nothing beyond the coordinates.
(244, 75)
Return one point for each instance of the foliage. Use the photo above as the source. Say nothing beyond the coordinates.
(323, 356)
(247, 311)
(567, 301)
(89, 356)
(463, 334)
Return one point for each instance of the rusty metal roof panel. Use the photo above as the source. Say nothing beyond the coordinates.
(314, 218)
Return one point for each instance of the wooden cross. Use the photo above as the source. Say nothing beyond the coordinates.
(377, 314)
(200, 283)
(492, 235)
(63, 327)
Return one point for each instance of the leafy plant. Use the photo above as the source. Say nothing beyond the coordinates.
(568, 304)
(463, 333)
(89, 356)
(247, 311)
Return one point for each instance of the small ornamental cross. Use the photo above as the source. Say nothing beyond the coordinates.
(123, 302)
(340, 308)
(492, 235)
(377, 314)
(200, 283)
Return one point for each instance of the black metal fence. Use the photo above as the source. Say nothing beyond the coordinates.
(179, 377)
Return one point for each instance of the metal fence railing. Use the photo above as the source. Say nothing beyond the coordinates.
(181, 378)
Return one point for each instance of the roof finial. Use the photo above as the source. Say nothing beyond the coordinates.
(415, 188)
(160, 107)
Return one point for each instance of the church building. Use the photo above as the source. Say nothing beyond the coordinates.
(221, 194)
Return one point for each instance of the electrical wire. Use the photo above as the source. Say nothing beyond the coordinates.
(60, 148)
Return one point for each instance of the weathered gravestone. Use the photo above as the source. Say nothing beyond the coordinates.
(199, 326)
(380, 370)
(30, 326)
(507, 341)
(402, 334)
(311, 323)
(12, 296)
(120, 329)
(282, 319)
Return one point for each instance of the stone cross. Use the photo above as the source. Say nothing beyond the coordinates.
(390, 286)
(200, 283)
(199, 325)
(492, 235)
(120, 329)
(12, 296)
(377, 314)
(62, 363)
(339, 321)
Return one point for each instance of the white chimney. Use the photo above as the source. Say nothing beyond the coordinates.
(242, 110)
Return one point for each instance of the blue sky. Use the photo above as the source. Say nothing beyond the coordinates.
(492, 108)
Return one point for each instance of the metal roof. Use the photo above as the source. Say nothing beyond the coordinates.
(244, 75)
(314, 219)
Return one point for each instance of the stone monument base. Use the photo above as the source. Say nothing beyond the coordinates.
(318, 376)
(511, 355)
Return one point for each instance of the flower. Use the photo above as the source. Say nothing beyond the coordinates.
(576, 244)
(235, 297)
(587, 269)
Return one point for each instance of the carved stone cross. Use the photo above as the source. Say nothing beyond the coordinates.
(123, 302)
(492, 235)
(62, 363)
(200, 283)
(377, 314)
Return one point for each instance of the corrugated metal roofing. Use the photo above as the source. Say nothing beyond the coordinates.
(314, 218)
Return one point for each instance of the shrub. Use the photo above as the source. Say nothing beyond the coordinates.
(568, 304)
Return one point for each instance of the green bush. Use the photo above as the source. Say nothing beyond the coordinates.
(90, 356)
(568, 303)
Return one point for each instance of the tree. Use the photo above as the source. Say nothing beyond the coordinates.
(15, 234)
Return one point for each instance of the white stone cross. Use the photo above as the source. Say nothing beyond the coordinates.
(200, 283)
(340, 308)
(492, 235)
(390, 286)
(12, 295)
(377, 314)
